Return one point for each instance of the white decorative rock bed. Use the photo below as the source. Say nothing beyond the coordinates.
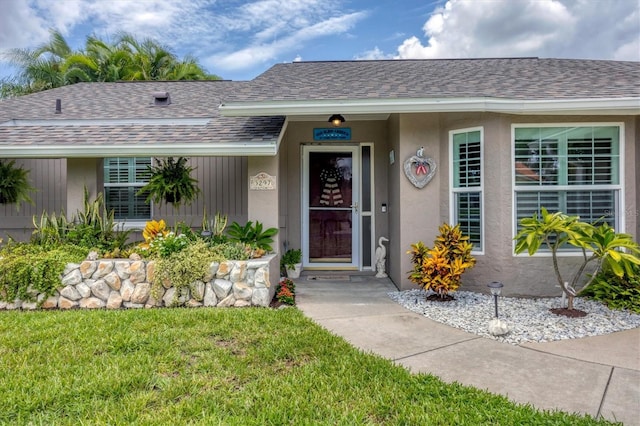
(126, 283)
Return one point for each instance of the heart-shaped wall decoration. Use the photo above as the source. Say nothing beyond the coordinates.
(419, 170)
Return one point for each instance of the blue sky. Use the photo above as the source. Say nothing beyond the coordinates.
(239, 39)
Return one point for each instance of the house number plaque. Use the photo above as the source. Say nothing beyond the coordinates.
(262, 182)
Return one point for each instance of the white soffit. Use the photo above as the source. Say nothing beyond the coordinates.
(599, 106)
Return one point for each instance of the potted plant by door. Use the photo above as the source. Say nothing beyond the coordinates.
(14, 186)
(170, 181)
(291, 261)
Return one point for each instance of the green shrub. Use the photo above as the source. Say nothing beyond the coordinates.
(231, 251)
(252, 235)
(166, 245)
(184, 267)
(28, 269)
(616, 292)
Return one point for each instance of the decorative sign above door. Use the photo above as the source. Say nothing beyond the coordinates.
(419, 170)
(332, 134)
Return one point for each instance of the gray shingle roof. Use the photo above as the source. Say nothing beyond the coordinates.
(516, 78)
(131, 101)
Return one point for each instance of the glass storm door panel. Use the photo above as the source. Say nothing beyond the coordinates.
(331, 206)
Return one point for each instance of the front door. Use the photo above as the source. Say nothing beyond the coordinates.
(330, 206)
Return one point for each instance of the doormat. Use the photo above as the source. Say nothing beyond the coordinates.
(328, 278)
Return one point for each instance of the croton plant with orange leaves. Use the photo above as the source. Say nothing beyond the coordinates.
(152, 230)
(440, 268)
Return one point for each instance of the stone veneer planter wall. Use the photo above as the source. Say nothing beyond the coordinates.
(125, 283)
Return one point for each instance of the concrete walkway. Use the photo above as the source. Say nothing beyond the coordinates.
(599, 375)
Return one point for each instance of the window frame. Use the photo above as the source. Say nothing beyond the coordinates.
(453, 190)
(618, 189)
(126, 223)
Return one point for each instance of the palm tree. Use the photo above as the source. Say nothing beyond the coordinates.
(41, 68)
(54, 64)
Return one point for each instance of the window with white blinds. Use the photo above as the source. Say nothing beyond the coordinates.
(572, 169)
(467, 184)
(123, 178)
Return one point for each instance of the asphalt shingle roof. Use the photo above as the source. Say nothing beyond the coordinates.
(517, 78)
(131, 101)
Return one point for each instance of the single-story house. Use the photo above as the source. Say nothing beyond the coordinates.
(415, 143)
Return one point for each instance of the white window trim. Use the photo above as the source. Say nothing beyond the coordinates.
(620, 187)
(130, 224)
(480, 189)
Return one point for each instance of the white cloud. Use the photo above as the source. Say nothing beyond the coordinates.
(545, 28)
(263, 51)
(62, 15)
(373, 54)
(20, 26)
(242, 34)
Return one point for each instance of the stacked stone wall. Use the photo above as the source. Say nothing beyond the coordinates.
(126, 283)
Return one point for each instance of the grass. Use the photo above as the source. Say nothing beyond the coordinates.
(220, 366)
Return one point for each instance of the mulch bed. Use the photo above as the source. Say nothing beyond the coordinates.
(571, 313)
(438, 298)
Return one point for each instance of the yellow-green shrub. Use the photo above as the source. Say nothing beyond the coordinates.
(440, 268)
(184, 267)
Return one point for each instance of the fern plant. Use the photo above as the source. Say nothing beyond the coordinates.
(14, 185)
(170, 181)
(440, 268)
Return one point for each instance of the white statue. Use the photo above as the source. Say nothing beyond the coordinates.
(381, 257)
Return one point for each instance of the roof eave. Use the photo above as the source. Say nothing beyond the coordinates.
(264, 148)
(592, 106)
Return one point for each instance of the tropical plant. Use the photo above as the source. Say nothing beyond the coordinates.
(14, 184)
(93, 228)
(170, 181)
(213, 229)
(152, 230)
(599, 245)
(440, 268)
(614, 291)
(290, 258)
(253, 235)
(49, 229)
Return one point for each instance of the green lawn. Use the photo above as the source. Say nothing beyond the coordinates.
(220, 366)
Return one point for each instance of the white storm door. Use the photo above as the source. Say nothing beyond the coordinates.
(330, 207)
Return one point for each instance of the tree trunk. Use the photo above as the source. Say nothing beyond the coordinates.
(570, 300)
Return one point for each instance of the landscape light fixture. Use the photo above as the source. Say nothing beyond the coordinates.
(496, 288)
(336, 120)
